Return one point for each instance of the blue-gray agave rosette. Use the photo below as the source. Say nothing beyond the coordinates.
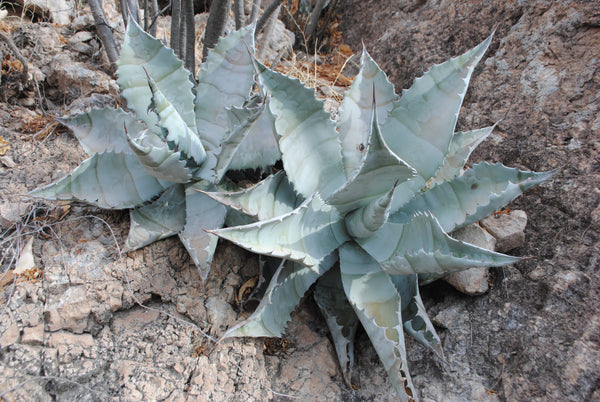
(378, 191)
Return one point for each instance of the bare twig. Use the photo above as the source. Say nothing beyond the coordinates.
(238, 13)
(263, 19)
(124, 11)
(314, 17)
(182, 30)
(155, 14)
(175, 26)
(133, 9)
(129, 7)
(18, 55)
(153, 25)
(215, 26)
(255, 10)
(146, 15)
(330, 9)
(104, 33)
(190, 36)
(268, 33)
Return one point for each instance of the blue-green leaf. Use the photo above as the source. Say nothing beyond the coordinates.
(367, 220)
(355, 113)
(272, 197)
(420, 126)
(108, 180)
(377, 304)
(309, 144)
(414, 316)
(160, 161)
(230, 65)
(160, 219)
(421, 246)
(340, 318)
(259, 149)
(103, 130)
(240, 122)
(379, 171)
(142, 53)
(306, 235)
(463, 143)
(286, 289)
(174, 129)
(475, 194)
(202, 213)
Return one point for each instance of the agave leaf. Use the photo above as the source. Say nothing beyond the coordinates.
(414, 316)
(229, 64)
(240, 121)
(422, 122)
(287, 287)
(202, 213)
(160, 219)
(102, 130)
(365, 221)
(421, 246)
(377, 304)
(379, 171)
(108, 180)
(142, 53)
(463, 143)
(306, 235)
(272, 197)
(308, 141)
(237, 218)
(475, 194)
(355, 113)
(174, 129)
(340, 317)
(259, 148)
(160, 161)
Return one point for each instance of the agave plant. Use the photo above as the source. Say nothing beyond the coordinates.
(181, 135)
(379, 190)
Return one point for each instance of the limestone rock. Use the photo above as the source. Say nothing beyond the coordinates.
(75, 79)
(11, 212)
(57, 11)
(507, 228)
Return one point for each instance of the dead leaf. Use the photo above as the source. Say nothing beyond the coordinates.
(246, 288)
(276, 346)
(7, 278)
(39, 126)
(25, 261)
(345, 50)
(4, 145)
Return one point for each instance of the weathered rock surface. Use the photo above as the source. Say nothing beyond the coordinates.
(530, 337)
(507, 228)
(472, 281)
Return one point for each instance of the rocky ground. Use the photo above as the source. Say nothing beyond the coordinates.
(89, 323)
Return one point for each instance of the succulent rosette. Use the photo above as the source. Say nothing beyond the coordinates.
(365, 206)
